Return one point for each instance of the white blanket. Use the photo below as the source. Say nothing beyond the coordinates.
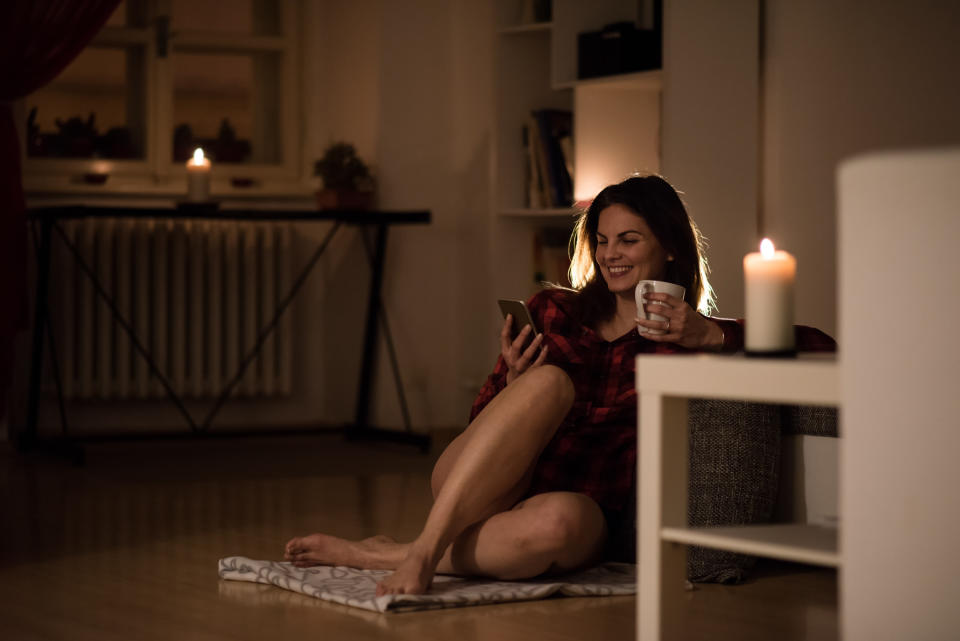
(357, 587)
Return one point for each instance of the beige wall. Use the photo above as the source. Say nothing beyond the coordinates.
(842, 78)
(408, 83)
(710, 129)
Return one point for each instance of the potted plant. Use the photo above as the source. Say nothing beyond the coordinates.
(347, 182)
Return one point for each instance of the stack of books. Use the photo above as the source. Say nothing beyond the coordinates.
(548, 140)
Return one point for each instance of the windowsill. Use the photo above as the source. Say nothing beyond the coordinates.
(134, 192)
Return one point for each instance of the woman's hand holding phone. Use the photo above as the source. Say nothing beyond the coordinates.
(520, 354)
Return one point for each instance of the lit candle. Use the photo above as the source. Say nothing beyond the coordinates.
(769, 276)
(198, 177)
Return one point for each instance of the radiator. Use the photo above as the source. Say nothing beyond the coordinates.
(196, 293)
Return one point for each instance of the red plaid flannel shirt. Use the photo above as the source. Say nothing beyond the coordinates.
(594, 451)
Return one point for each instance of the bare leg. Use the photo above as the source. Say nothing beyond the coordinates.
(506, 440)
(554, 532)
(375, 553)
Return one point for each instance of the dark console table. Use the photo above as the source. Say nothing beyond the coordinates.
(48, 220)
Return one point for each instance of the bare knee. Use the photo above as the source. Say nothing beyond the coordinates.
(570, 527)
(552, 384)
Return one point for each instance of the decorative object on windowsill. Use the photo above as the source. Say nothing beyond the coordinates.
(226, 147)
(78, 138)
(768, 276)
(347, 183)
(243, 182)
(198, 178)
(95, 177)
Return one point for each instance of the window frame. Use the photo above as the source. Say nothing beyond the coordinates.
(157, 173)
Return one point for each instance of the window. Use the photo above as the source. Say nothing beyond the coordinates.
(167, 76)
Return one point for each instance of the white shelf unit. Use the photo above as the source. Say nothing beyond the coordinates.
(813, 544)
(535, 67)
(664, 385)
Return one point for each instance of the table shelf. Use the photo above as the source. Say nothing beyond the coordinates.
(801, 543)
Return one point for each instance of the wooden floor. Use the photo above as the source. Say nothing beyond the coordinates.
(126, 547)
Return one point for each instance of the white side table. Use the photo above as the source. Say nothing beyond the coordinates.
(664, 385)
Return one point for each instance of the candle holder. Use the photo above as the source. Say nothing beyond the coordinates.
(781, 353)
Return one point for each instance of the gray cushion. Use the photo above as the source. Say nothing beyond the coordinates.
(809, 419)
(734, 477)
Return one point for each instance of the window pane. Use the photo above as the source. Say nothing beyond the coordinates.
(248, 17)
(228, 104)
(130, 13)
(94, 109)
(119, 17)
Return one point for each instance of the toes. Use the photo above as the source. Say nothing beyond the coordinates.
(384, 589)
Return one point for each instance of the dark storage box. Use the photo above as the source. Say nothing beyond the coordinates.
(617, 48)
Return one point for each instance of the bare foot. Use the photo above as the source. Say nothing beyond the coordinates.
(412, 576)
(375, 553)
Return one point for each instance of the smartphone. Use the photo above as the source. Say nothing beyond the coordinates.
(521, 317)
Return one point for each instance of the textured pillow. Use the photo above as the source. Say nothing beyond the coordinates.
(809, 419)
(734, 477)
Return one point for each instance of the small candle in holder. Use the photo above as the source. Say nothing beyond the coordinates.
(198, 178)
(768, 276)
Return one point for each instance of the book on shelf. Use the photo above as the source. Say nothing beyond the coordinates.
(537, 196)
(551, 261)
(548, 140)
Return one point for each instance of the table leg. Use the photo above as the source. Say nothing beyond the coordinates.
(662, 501)
(28, 437)
(361, 428)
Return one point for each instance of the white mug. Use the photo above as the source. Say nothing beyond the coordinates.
(660, 287)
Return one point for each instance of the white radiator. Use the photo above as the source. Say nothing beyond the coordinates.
(196, 293)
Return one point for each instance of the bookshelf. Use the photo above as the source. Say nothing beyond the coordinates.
(535, 68)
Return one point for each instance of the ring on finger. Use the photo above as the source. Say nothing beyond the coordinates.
(667, 328)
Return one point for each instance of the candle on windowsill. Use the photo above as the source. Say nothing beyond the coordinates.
(198, 178)
(768, 278)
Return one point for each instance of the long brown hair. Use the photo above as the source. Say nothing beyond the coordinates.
(657, 202)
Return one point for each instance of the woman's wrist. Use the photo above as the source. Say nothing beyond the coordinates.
(723, 338)
(716, 337)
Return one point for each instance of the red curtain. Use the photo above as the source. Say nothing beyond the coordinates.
(38, 39)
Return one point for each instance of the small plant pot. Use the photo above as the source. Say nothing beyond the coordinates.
(336, 199)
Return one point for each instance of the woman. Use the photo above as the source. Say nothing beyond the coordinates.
(545, 470)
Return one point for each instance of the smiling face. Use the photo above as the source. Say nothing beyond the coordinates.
(627, 251)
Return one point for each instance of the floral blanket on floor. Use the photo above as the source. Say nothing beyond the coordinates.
(357, 588)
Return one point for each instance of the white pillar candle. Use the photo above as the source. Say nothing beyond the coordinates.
(769, 276)
(198, 178)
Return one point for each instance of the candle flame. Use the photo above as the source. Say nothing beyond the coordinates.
(767, 248)
(198, 156)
